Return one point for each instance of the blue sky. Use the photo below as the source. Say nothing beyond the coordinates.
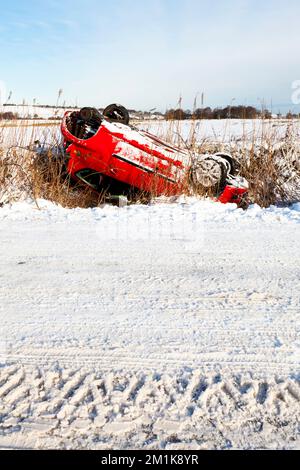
(146, 54)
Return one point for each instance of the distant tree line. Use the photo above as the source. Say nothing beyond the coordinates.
(291, 115)
(9, 116)
(229, 112)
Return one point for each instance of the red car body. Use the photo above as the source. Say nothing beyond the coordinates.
(136, 158)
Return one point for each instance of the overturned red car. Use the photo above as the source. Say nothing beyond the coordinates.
(102, 147)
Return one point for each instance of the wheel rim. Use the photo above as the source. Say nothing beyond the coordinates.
(207, 173)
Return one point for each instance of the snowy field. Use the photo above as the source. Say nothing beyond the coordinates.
(164, 326)
(30, 111)
(24, 132)
(224, 131)
(216, 130)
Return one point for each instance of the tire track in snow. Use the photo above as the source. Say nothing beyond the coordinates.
(147, 410)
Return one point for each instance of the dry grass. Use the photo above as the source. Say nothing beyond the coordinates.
(269, 162)
(41, 176)
(273, 173)
(38, 173)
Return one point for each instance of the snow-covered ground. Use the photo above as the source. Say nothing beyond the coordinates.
(224, 131)
(212, 129)
(24, 133)
(174, 325)
(31, 112)
(218, 131)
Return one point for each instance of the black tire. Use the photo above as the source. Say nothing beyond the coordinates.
(116, 113)
(234, 164)
(90, 114)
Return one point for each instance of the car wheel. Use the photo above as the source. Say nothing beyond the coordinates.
(208, 173)
(90, 114)
(116, 113)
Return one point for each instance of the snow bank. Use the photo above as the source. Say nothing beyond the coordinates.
(161, 209)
